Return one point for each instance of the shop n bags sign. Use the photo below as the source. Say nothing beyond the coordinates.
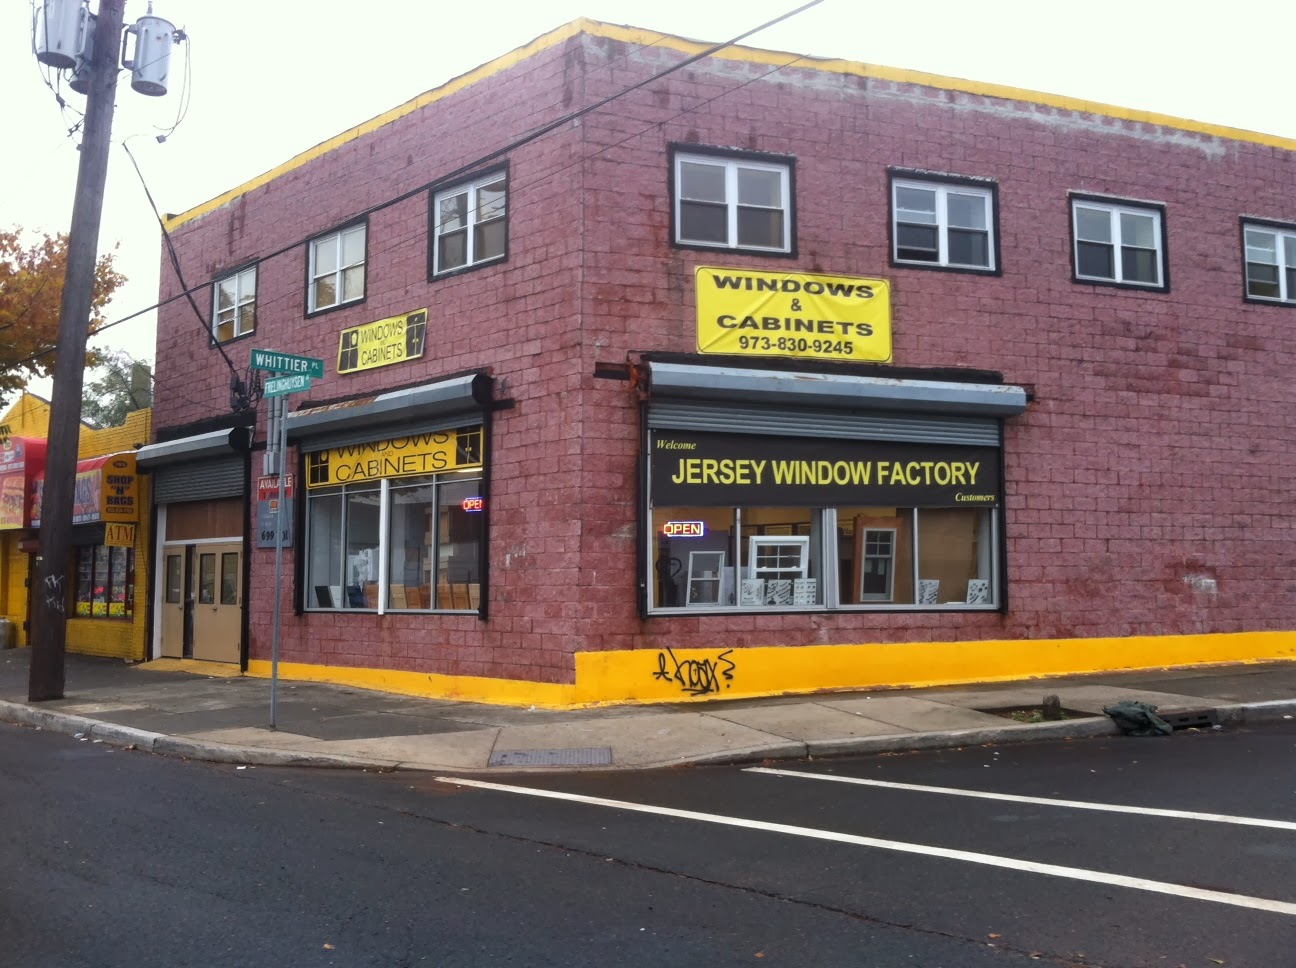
(722, 470)
(430, 453)
(382, 343)
(796, 314)
(106, 490)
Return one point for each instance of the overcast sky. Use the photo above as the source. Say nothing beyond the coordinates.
(270, 78)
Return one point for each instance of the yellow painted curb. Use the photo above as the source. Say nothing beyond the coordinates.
(198, 667)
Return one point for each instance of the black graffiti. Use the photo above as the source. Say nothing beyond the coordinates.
(696, 677)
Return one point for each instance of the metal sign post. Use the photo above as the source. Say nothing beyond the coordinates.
(278, 389)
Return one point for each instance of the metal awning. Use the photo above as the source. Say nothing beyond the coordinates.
(441, 400)
(830, 391)
(209, 446)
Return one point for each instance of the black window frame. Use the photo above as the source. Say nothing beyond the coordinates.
(224, 274)
(940, 180)
(1279, 227)
(1113, 202)
(734, 155)
(481, 175)
(310, 244)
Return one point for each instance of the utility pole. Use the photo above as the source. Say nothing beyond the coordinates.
(50, 596)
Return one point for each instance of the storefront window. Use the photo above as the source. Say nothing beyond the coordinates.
(927, 539)
(431, 545)
(105, 582)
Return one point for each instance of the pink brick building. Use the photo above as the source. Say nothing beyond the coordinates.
(754, 378)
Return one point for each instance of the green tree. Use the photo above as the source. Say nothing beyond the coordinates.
(31, 294)
(120, 383)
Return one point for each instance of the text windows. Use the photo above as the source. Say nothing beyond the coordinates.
(470, 224)
(938, 224)
(337, 269)
(732, 203)
(1118, 243)
(234, 308)
(1270, 262)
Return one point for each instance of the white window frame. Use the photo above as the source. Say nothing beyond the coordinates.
(1113, 211)
(1284, 248)
(243, 280)
(943, 191)
(336, 238)
(731, 167)
(473, 223)
(889, 595)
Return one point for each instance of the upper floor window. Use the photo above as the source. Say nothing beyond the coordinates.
(470, 224)
(234, 305)
(950, 224)
(1118, 242)
(337, 268)
(1270, 262)
(733, 202)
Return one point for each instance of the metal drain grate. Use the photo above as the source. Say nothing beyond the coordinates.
(1191, 718)
(581, 756)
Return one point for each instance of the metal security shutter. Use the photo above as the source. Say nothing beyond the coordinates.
(747, 418)
(309, 445)
(199, 481)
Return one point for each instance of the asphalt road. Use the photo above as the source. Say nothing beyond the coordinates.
(113, 857)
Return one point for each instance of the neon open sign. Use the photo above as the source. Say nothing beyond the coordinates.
(473, 504)
(684, 529)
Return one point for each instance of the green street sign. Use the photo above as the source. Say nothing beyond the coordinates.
(286, 384)
(287, 363)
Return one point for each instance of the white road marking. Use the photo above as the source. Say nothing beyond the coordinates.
(1044, 801)
(926, 850)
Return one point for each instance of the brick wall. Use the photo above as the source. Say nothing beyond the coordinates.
(1157, 453)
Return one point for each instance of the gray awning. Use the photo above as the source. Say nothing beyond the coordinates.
(209, 446)
(832, 391)
(414, 405)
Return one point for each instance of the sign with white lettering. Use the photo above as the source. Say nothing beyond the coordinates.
(277, 362)
(716, 470)
(281, 385)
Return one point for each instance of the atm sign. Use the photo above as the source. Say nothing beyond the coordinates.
(473, 503)
(684, 529)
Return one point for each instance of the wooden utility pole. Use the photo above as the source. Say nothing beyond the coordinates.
(53, 586)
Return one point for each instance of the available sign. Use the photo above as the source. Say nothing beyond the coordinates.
(387, 341)
(722, 470)
(796, 314)
(268, 516)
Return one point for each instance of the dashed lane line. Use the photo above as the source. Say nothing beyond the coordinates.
(925, 850)
(1043, 801)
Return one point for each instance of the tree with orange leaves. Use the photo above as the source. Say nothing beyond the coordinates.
(31, 294)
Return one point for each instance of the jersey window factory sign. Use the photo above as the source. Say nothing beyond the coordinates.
(796, 314)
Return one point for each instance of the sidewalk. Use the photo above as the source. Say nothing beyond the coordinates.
(225, 718)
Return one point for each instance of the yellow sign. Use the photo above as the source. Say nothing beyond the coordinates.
(746, 313)
(383, 343)
(444, 450)
(119, 535)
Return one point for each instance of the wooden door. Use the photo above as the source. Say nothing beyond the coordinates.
(175, 600)
(217, 589)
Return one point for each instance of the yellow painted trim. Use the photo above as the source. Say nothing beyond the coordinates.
(752, 55)
(636, 676)
(198, 667)
(428, 685)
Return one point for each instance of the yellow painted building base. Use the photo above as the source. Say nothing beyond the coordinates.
(651, 676)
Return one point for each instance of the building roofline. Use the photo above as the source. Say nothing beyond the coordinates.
(644, 37)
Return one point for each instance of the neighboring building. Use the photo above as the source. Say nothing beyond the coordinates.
(773, 374)
(106, 603)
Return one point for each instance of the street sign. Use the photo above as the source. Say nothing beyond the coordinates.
(287, 363)
(286, 384)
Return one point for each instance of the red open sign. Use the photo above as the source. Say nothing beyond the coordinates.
(473, 504)
(684, 529)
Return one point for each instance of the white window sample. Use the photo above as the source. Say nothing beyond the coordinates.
(732, 203)
(470, 224)
(877, 576)
(337, 268)
(234, 306)
(705, 577)
(1118, 243)
(942, 224)
(1270, 263)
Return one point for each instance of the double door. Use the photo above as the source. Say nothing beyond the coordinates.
(202, 606)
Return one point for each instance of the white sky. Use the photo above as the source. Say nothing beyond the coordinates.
(273, 77)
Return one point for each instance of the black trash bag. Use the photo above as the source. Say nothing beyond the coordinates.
(1138, 719)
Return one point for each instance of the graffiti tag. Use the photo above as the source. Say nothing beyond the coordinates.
(696, 677)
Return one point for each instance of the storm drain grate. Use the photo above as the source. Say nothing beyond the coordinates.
(1191, 718)
(581, 756)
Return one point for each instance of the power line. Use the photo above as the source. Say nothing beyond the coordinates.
(473, 165)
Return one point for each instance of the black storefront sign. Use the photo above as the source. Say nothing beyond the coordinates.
(719, 470)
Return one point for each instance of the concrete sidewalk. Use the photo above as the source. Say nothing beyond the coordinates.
(225, 718)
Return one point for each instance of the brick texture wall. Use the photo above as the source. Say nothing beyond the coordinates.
(1158, 451)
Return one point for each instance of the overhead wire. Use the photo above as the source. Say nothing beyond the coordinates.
(480, 162)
